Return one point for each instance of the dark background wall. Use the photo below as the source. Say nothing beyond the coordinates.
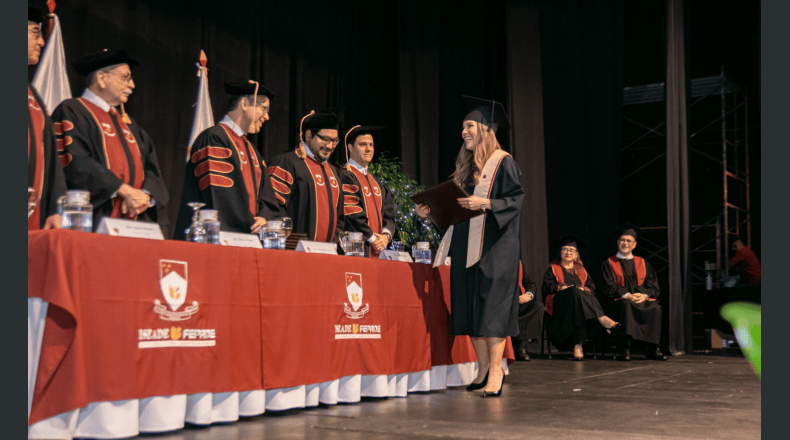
(559, 67)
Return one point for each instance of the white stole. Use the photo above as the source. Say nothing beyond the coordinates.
(476, 224)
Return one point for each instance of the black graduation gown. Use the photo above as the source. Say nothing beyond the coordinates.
(215, 175)
(530, 314)
(86, 163)
(53, 183)
(485, 295)
(640, 321)
(572, 309)
(358, 212)
(300, 194)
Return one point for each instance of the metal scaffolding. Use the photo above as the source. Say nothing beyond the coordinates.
(719, 127)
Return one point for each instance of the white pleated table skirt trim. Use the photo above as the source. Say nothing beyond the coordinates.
(128, 418)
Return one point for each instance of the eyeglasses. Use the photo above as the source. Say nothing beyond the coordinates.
(127, 78)
(568, 251)
(326, 140)
(625, 240)
(36, 32)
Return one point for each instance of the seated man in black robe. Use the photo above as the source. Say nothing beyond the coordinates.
(103, 150)
(306, 186)
(530, 313)
(226, 172)
(367, 202)
(633, 286)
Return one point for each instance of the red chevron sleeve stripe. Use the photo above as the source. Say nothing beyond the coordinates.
(217, 152)
(213, 165)
(350, 210)
(215, 180)
(350, 188)
(279, 187)
(350, 200)
(280, 198)
(281, 174)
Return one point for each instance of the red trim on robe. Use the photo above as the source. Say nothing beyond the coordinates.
(280, 199)
(115, 156)
(350, 188)
(323, 205)
(213, 165)
(372, 202)
(556, 269)
(252, 174)
(216, 152)
(350, 210)
(281, 174)
(38, 118)
(279, 187)
(520, 278)
(617, 269)
(350, 200)
(215, 180)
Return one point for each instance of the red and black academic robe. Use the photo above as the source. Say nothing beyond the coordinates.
(309, 193)
(100, 152)
(530, 314)
(44, 173)
(367, 205)
(227, 173)
(570, 308)
(640, 321)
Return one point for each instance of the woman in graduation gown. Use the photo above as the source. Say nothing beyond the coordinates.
(570, 298)
(484, 251)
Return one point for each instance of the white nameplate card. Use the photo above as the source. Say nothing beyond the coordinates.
(130, 228)
(389, 254)
(316, 247)
(239, 239)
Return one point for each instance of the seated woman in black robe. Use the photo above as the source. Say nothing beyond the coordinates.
(570, 298)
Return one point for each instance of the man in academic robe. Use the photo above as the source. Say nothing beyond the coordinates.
(44, 173)
(633, 286)
(306, 186)
(103, 150)
(530, 313)
(367, 202)
(225, 170)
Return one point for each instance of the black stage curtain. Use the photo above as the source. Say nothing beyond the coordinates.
(403, 65)
(678, 226)
(582, 61)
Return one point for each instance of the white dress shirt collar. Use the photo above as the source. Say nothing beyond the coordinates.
(354, 164)
(623, 257)
(227, 121)
(308, 152)
(92, 98)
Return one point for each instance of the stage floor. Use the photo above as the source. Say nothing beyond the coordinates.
(701, 396)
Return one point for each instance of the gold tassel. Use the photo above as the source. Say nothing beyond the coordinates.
(124, 116)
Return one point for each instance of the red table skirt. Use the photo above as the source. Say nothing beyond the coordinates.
(132, 318)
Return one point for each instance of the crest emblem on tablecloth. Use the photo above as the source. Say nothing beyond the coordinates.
(173, 286)
(354, 292)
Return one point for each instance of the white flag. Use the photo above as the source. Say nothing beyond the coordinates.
(50, 79)
(204, 117)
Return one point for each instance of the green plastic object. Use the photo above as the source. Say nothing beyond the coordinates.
(746, 318)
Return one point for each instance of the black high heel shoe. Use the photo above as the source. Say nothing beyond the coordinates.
(494, 393)
(476, 386)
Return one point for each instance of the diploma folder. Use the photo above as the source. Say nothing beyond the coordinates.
(443, 201)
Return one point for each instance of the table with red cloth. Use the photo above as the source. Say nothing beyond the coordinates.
(130, 319)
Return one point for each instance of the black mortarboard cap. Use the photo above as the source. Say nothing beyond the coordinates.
(628, 228)
(34, 14)
(93, 62)
(489, 113)
(569, 240)
(359, 130)
(246, 88)
(327, 118)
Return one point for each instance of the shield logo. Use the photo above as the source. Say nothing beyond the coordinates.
(319, 179)
(332, 181)
(366, 190)
(354, 289)
(376, 190)
(129, 136)
(107, 129)
(173, 282)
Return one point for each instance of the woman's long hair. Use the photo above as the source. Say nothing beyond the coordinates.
(469, 164)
